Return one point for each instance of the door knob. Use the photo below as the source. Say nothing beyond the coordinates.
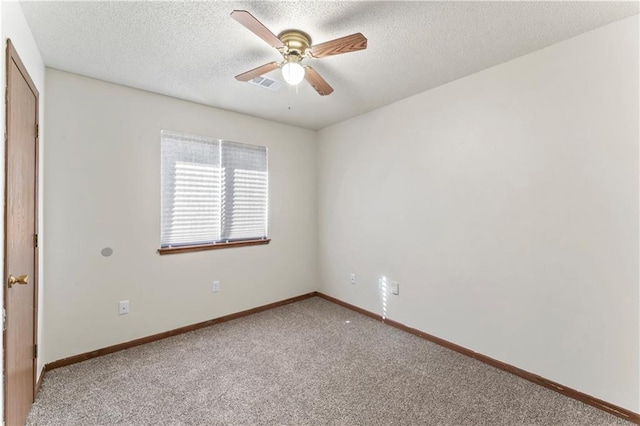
(22, 279)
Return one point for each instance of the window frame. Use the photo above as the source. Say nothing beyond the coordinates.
(186, 248)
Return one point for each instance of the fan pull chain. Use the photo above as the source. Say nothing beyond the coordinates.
(290, 94)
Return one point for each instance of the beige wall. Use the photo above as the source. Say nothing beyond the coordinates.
(13, 25)
(103, 190)
(506, 205)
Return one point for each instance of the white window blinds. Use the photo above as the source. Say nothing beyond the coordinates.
(244, 202)
(212, 191)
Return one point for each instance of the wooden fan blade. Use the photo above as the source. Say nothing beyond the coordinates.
(256, 27)
(256, 72)
(350, 43)
(317, 82)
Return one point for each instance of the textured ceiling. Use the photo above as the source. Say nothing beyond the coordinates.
(192, 50)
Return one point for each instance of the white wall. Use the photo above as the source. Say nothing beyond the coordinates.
(103, 190)
(13, 25)
(506, 205)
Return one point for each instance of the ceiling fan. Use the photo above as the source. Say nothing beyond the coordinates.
(294, 46)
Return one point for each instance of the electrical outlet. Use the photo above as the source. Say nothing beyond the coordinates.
(123, 307)
(395, 287)
(353, 278)
(215, 287)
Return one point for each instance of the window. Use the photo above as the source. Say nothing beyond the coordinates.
(214, 193)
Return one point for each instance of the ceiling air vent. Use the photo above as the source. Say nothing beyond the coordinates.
(267, 83)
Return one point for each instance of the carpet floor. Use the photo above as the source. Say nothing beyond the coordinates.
(306, 363)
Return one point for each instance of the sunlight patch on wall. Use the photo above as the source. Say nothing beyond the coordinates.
(383, 285)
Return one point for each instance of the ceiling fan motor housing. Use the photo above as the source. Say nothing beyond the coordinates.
(296, 43)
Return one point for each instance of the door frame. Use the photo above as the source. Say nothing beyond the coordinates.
(13, 57)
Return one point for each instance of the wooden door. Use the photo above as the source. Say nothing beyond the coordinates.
(20, 284)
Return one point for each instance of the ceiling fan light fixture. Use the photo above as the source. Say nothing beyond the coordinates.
(293, 73)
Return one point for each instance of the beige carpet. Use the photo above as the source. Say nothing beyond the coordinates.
(307, 363)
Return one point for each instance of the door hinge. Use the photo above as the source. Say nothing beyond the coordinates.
(37, 130)
(35, 240)
(4, 319)
(35, 351)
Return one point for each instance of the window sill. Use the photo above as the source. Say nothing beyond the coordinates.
(203, 247)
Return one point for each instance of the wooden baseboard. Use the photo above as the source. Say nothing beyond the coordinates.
(144, 340)
(572, 393)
